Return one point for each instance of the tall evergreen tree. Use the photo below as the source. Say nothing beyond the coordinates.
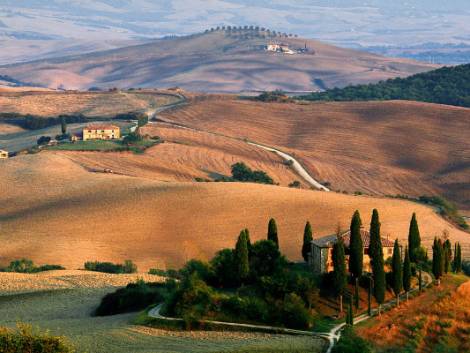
(356, 294)
(248, 240)
(349, 314)
(457, 263)
(397, 271)
(438, 259)
(63, 125)
(369, 298)
(407, 273)
(307, 243)
(241, 257)
(414, 240)
(339, 271)
(447, 256)
(375, 240)
(356, 247)
(272, 232)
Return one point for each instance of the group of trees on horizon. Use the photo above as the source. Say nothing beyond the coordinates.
(447, 85)
(251, 29)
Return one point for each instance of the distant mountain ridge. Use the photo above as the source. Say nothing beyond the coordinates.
(447, 85)
(223, 60)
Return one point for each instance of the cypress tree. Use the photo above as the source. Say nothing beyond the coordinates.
(437, 260)
(63, 125)
(369, 298)
(350, 315)
(356, 294)
(377, 259)
(447, 256)
(375, 240)
(248, 241)
(457, 258)
(356, 247)
(241, 257)
(306, 246)
(272, 232)
(407, 273)
(420, 280)
(397, 271)
(339, 271)
(414, 240)
(454, 261)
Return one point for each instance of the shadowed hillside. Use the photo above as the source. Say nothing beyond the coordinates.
(56, 212)
(380, 148)
(217, 61)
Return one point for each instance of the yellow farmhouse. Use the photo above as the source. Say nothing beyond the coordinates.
(101, 132)
(3, 154)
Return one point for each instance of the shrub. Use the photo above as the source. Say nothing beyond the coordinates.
(294, 312)
(165, 273)
(265, 258)
(241, 172)
(43, 140)
(27, 266)
(295, 184)
(24, 339)
(202, 269)
(134, 297)
(351, 343)
(108, 267)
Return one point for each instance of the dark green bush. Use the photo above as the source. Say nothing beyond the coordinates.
(109, 267)
(28, 266)
(165, 273)
(241, 172)
(351, 343)
(134, 297)
(25, 340)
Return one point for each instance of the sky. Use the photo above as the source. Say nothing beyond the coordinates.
(347, 23)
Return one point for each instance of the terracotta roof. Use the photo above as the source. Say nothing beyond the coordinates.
(101, 127)
(329, 240)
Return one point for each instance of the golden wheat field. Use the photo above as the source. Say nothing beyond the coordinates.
(55, 211)
(102, 104)
(378, 148)
(186, 155)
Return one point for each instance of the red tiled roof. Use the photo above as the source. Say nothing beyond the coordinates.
(329, 240)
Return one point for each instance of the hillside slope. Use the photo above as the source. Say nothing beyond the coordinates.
(56, 212)
(375, 147)
(216, 61)
(447, 85)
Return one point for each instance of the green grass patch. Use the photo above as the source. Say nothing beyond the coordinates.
(105, 146)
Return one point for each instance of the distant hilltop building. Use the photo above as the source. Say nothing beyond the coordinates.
(4, 154)
(321, 253)
(101, 132)
(280, 48)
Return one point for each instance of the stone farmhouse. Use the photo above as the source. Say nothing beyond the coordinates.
(321, 254)
(4, 154)
(101, 132)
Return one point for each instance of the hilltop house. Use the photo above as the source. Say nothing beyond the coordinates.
(279, 48)
(101, 132)
(321, 254)
(4, 154)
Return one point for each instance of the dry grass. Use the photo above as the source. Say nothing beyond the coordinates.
(438, 318)
(374, 147)
(187, 155)
(87, 103)
(54, 211)
(68, 312)
(9, 129)
(215, 62)
(66, 279)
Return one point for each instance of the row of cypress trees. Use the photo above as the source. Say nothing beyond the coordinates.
(443, 261)
(400, 268)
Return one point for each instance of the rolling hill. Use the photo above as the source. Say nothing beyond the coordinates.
(216, 61)
(379, 148)
(54, 211)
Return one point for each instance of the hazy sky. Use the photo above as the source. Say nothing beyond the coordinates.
(366, 22)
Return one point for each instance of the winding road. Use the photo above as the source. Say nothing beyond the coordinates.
(294, 163)
(332, 336)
